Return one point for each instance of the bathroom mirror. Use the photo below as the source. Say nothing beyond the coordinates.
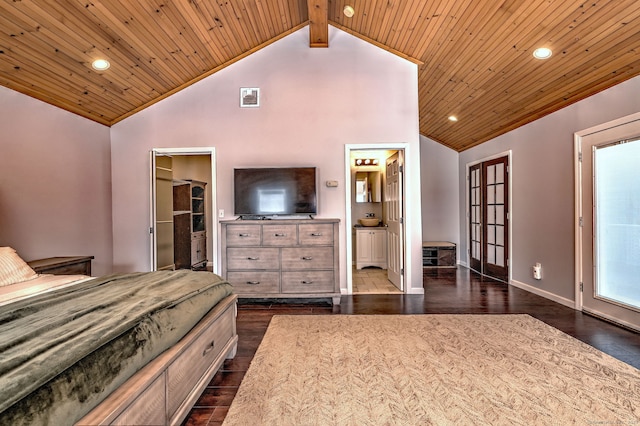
(368, 187)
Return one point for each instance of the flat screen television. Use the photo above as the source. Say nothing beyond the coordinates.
(279, 191)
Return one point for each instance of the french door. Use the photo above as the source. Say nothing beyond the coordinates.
(609, 187)
(489, 218)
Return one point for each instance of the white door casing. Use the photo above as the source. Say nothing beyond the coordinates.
(212, 219)
(586, 144)
(408, 206)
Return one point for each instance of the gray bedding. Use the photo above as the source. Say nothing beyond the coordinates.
(63, 352)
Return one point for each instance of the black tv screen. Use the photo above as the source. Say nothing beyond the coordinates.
(275, 191)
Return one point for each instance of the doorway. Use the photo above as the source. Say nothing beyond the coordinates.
(608, 227)
(375, 227)
(488, 230)
(183, 232)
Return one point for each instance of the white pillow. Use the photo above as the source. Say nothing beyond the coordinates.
(12, 268)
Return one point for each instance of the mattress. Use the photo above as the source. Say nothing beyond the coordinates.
(63, 352)
(43, 283)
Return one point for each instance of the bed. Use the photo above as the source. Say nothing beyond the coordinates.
(133, 348)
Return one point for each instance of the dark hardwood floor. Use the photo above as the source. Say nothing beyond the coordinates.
(457, 291)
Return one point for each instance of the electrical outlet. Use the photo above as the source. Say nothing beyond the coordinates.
(221, 213)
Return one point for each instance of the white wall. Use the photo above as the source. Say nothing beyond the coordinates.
(55, 182)
(543, 187)
(440, 198)
(313, 102)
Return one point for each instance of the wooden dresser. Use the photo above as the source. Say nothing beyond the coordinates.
(289, 258)
(66, 265)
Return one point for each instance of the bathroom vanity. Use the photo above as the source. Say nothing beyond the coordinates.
(371, 247)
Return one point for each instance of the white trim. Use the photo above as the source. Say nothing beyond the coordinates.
(578, 179)
(579, 263)
(612, 319)
(407, 201)
(347, 221)
(212, 221)
(543, 293)
(577, 228)
(152, 210)
(609, 125)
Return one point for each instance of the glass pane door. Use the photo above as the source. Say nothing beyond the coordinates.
(489, 218)
(609, 209)
(617, 223)
(495, 219)
(475, 217)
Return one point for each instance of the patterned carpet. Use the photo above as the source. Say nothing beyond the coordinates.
(431, 369)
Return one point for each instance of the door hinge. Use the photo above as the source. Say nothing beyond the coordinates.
(151, 230)
(401, 271)
(401, 169)
(580, 157)
(402, 220)
(581, 287)
(581, 222)
(507, 169)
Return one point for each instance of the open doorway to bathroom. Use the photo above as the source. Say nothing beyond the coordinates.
(376, 211)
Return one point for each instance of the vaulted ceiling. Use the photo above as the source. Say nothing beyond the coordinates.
(474, 56)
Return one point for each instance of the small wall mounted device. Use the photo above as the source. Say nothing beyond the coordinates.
(537, 271)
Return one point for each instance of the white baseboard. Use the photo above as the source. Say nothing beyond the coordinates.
(609, 318)
(547, 295)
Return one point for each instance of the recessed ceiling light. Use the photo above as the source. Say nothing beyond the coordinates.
(453, 118)
(348, 11)
(100, 64)
(542, 53)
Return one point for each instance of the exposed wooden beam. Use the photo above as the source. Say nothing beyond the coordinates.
(318, 23)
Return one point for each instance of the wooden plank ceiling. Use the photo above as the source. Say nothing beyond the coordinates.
(475, 56)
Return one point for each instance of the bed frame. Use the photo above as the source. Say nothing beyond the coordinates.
(165, 390)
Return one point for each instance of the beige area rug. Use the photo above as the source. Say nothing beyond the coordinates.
(431, 369)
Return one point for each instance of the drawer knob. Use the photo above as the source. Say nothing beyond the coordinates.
(253, 258)
(209, 348)
(253, 282)
(306, 282)
(307, 258)
(243, 235)
(280, 235)
(316, 234)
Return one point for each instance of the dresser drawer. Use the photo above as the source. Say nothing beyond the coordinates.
(279, 235)
(321, 234)
(254, 281)
(253, 258)
(307, 258)
(243, 235)
(194, 361)
(307, 282)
